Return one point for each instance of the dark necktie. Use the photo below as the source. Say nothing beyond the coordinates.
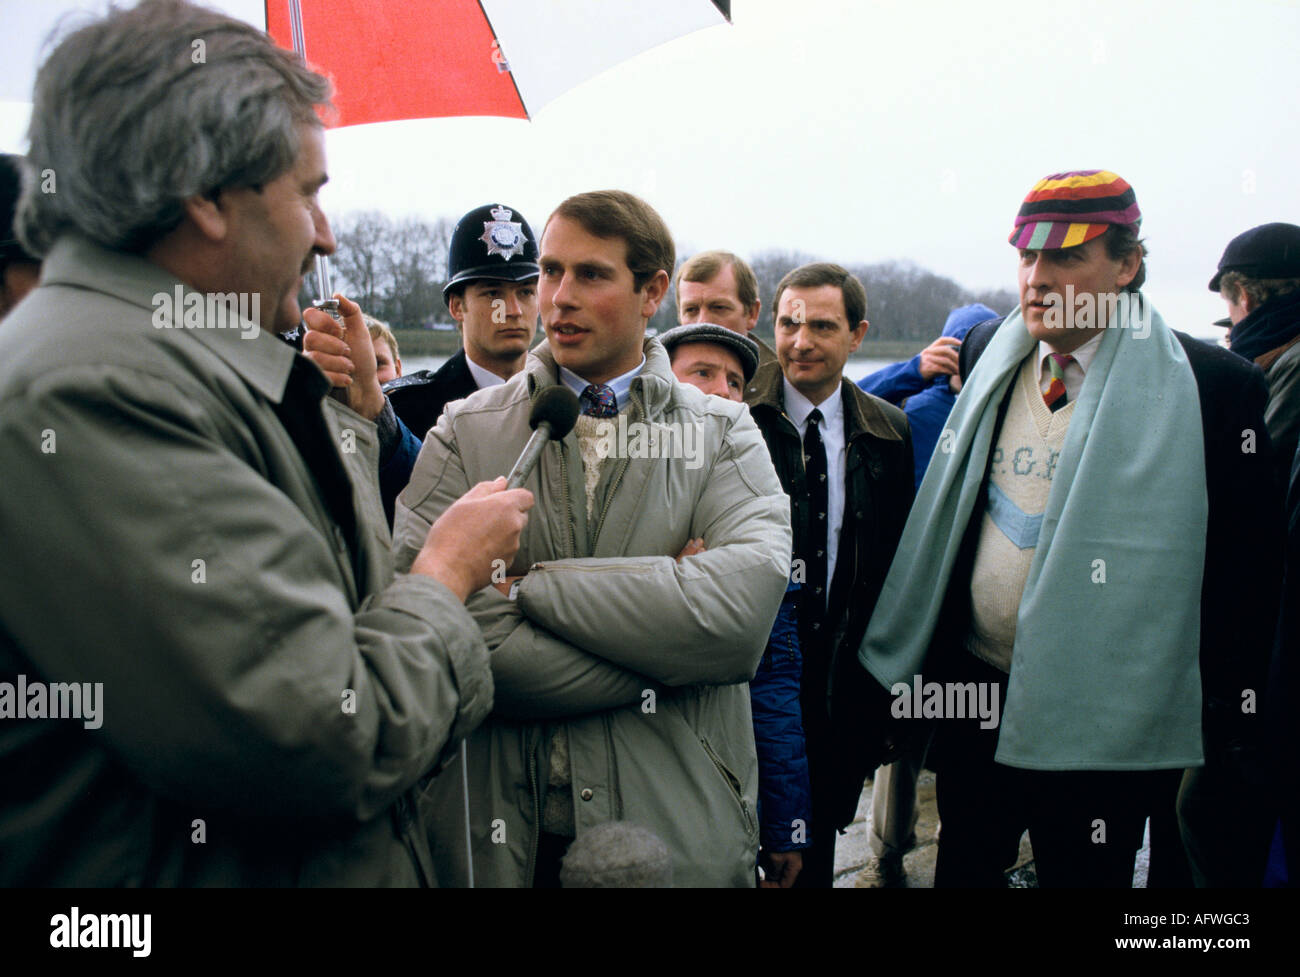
(814, 463)
(598, 400)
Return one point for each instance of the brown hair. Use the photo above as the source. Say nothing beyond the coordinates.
(704, 266)
(824, 273)
(618, 214)
(1121, 241)
(1260, 290)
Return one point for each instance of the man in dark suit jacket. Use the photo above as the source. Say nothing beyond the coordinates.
(491, 292)
(1024, 610)
(845, 459)
(1241, 584)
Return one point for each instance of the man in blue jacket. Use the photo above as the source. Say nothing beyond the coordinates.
(926, 388)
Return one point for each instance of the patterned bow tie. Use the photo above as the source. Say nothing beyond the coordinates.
(598, 400)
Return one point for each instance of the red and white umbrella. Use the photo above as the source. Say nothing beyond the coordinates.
(432, 58)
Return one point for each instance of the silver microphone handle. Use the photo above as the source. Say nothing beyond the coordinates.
(532, 453)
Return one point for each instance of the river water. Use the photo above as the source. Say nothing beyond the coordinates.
(855, 369)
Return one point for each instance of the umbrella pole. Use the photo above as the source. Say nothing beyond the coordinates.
(325, 300)
(464, 785)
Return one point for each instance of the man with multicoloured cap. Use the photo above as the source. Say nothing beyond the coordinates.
(1102, 525)
(491, 292)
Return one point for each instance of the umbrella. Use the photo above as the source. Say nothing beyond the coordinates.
(434, 58)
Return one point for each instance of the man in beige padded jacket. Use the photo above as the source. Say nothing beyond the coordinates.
(620, 671)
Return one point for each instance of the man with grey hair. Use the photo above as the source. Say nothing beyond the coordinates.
(271, 692)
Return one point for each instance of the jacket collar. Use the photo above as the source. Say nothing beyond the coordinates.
(262, 360)
(862, 413)
(654, 385)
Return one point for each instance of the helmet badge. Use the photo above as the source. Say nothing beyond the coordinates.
(502, 235)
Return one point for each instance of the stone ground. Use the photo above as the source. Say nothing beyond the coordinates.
(853, 850)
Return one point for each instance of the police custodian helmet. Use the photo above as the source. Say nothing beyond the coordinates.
(491, 241)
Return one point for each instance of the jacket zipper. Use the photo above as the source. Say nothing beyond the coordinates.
(568, 504)
(533, 788)
(733, 784)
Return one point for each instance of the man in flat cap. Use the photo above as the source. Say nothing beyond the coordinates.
(1093, 552)
(721, 361)
(1259, 278)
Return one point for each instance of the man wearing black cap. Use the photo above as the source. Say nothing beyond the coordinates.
(1259, 278)
(19, 271)
(491, 292)
(721, 361)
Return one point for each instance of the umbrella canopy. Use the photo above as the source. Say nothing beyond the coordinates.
(434, 58)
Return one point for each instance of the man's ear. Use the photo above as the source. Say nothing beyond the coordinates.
(655, 290)
(752, 315)
(207, 215)
(1128, 268)
(858, 335)
(456, 306)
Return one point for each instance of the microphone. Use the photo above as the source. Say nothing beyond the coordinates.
(554, 413)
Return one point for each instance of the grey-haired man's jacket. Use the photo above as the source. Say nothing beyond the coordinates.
(185, 524)
(643, 659)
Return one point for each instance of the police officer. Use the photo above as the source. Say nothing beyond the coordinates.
(491, 292)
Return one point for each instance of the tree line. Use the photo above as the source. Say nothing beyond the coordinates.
(395, 269)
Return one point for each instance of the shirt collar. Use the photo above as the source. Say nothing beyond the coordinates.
(798, 407)
(620, 385)
(482, 377)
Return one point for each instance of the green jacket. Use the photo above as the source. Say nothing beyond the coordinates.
(645, 660)
(270, 692)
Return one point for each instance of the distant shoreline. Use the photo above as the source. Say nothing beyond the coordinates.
(445, 342)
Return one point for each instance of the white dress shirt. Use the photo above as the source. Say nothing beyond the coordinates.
(483, 377)
(831, 428)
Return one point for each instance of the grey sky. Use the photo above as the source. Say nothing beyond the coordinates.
(870, 131)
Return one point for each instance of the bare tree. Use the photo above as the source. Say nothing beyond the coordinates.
(394, 268)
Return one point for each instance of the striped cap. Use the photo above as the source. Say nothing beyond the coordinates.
(1066, 209)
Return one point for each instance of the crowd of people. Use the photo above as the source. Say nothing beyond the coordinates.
(1052, 557)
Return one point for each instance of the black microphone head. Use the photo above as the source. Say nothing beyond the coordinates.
(558, 407)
